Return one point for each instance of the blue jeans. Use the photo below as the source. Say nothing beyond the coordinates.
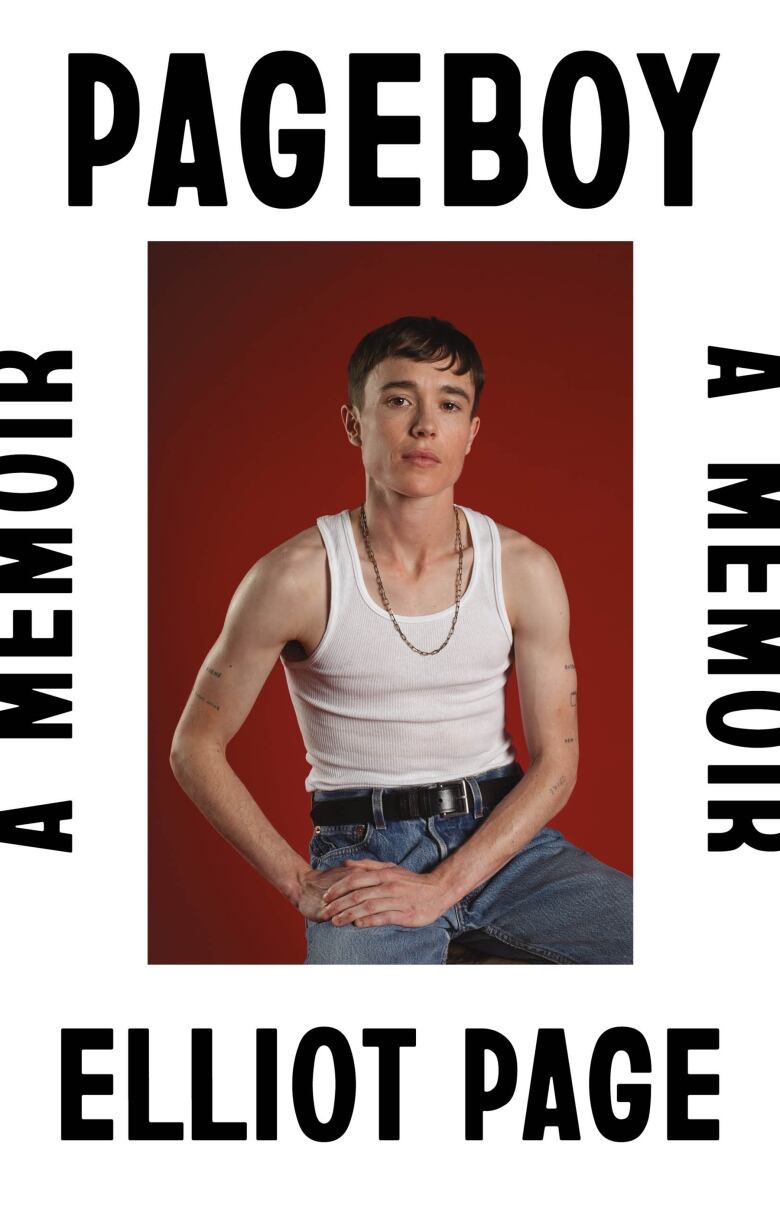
(552, 903)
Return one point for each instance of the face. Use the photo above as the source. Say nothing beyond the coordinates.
(414, 427)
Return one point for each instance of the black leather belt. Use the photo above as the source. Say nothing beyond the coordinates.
(453, 798)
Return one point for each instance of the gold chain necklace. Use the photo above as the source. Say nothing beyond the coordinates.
(383, 595)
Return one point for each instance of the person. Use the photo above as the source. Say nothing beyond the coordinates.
(398, 623)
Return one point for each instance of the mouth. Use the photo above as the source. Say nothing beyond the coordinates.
(421, 458)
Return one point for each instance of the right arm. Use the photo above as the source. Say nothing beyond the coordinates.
(265, 613)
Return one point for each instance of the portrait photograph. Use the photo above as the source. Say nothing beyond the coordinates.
(273, 419)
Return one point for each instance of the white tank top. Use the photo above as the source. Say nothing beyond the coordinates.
(372, 712)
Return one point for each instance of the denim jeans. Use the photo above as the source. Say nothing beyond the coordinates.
(552, 903)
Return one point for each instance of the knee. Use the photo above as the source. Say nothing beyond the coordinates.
(327, 943)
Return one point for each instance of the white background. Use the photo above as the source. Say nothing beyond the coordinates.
(74, 926)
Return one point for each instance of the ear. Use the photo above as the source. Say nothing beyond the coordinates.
(351, 420)
(473, 436)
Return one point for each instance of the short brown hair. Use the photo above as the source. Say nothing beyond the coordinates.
(425, 339)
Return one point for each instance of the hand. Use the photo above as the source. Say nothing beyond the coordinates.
(314, 885)
(367, 893)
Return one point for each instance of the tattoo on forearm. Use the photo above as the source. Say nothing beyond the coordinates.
(556, 787)
(569, 740)
(216, 673)
(573, 699)
(569, 666)
(203, 699)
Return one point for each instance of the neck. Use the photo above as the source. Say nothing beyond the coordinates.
(411, 531)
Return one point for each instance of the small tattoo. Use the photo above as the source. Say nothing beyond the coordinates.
(569, 666)
(573, 699)
(216, 673)
(206, 701)
(569, 740)
(557, 786)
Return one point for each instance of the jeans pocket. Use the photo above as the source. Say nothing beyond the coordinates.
(337, 842)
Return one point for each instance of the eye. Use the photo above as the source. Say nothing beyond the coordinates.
(451, 406)
(397, 401)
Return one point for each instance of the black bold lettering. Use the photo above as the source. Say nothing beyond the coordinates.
(308, 146)
(765, 372)
(36, 387)
(187, 99)
(36, 500)
(743, 774)
(756, 557)
(463, 135)
(747, 641)
(49, 837)
(302, 1084)
(31, 706)
(742, 814)
(633, 1042)
(35, 429)
(27, 561)
(556, 129)
(389, 1043)
(746, 495)
(75, 1084)
(367, 129)
(682, 1084)
(678, 112)
(478, 1098)
(138, 1123)
(22, 643)
(203, 1124)
(740, 701)
(551, 1067)
(84, 150)
(265, 1084)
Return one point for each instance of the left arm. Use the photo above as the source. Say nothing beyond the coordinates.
(547, 683)
(372, 893)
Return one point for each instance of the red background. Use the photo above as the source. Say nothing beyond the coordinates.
(248, 346)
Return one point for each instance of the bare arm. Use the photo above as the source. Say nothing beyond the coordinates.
(267, 610)
(547, 681)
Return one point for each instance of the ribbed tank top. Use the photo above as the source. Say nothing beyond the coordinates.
(372, 712)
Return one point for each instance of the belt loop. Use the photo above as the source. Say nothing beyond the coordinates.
(476, 795)
(376, 808)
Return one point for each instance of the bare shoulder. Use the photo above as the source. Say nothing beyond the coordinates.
(533, 586)
(279, 591)
(523, 557)
(289, 565)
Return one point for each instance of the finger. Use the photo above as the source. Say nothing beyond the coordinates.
(350, 899)
(361, 862)
(351, 881)
(360, 913)
(390, 917)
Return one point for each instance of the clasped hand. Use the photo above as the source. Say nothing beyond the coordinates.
(365, 892)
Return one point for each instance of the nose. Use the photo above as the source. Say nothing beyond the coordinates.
(424, 421)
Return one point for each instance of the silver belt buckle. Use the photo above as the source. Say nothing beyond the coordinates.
(462, 797)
